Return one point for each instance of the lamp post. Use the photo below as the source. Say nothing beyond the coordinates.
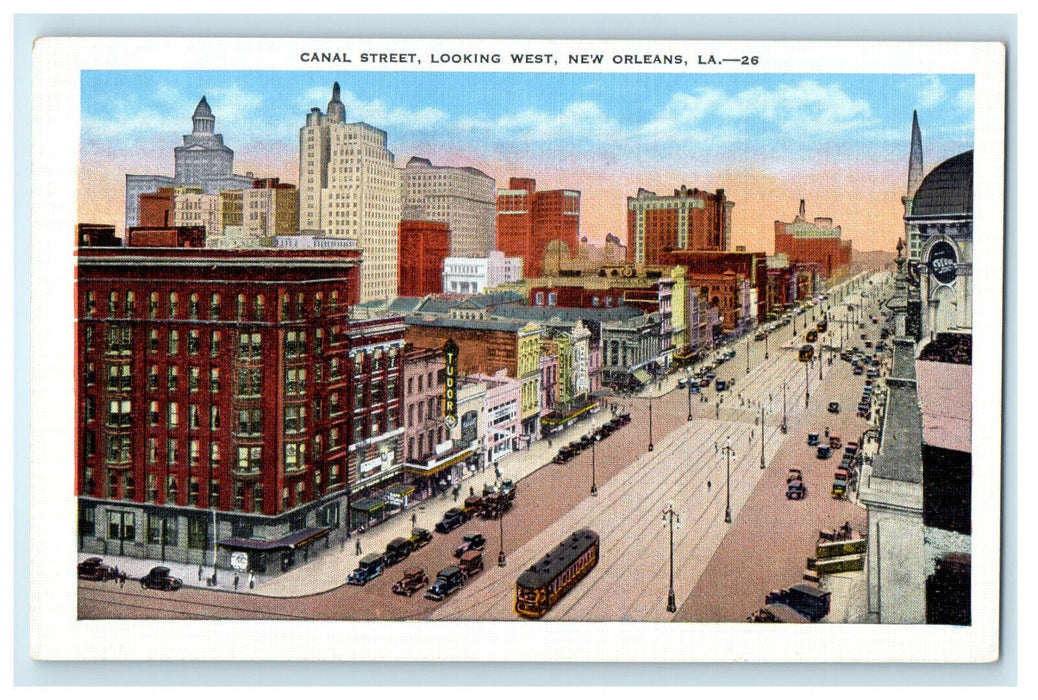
(728, 452)
(762, 435)
(669, 518)
(501, 522)
(690, 399)
(594, 488)
(650, 421)
(747, 353)
(807, 387)
(784, 427)
(820, 362)
(766, 345)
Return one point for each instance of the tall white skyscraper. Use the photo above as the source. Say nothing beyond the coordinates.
(464, 198)
(350, 188)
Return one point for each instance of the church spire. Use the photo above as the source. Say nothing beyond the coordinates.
(915, 157)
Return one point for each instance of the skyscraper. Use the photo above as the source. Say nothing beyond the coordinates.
(350, 188)
(528, 220)
(463, 198)
(201, 161)
(692, 219)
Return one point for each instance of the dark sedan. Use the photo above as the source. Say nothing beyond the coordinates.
(93, 570)
(160, 578)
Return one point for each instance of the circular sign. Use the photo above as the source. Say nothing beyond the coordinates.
(942, 262)
(239, 561)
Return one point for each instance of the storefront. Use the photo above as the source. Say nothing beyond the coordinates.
(441, 472)
(263, 556)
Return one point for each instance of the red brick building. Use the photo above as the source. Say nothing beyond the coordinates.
(692, 219)
(751, 266)
(817, 241)
(528, 220)
(422, 247)
(234, 383)
(156, 208)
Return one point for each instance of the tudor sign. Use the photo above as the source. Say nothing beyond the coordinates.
(942, 262)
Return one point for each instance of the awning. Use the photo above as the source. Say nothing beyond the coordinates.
(289, 541)
(642, 376)
(437, 467)
(401, 490)
(368, 505)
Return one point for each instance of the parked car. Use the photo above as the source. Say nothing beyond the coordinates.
(795, 490)
(794, 475)
(812, 439)
(682, 382)
(720, 385)
(160, 578)
(471, 541)
(471, 563)
(824, 452)
(369, 566)
(397, 550)
(93, 570)
(413, 581)
(419, 537)
(834, 407)
(452, 520)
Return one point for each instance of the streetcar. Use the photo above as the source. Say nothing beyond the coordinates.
(541, 586)
(806, 353)
(812, 336)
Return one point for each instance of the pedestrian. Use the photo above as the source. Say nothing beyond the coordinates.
(827, 432)
(252, 581)
(358, 546)
(342, 543)
(708, 484)
(715, 447)
(414, 516)
(199, 572)
(472, 491)
(236, 581)
(122, 579)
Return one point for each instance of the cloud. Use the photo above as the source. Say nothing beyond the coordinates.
(377, 113)
(584, 120)
(932, 91)
(804, 108)
(964, 99)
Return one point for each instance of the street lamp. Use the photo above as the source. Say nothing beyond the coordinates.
(747, 353)
(669, 517)
(820, 362)
(766, 345)
(784, 428)
(594, 488)
(728, 452)
(690, 399)
(650, 420)
(807, 387)
(501, 521)
(762, 435)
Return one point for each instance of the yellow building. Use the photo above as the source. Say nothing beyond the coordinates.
(528, 374)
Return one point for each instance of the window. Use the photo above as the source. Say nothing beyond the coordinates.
(193, 307)
(250, 421)
(192, 342)
(173, 305)
(193, 376)
(197, 532)
(153, 340)
(239, 495)
(295, 382)
(257, 309)
(214, 455)
(295, 456)
(214, 343)
(239, 307)
(172, 418)
(214, 493)
(257, 498)
(193, 491)
(192, 418)
(172, 379)
(214, 380)
(91, 304)
(171, 489)
(174, 342)
(162, 529)
(121, 525)
(410, 386)
(129, 304)
(214, 306)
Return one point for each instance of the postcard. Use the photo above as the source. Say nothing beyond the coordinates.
(516, 350)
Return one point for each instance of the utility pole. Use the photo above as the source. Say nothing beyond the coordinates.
(670, 517)
(728, 453)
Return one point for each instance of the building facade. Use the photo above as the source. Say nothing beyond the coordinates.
(688, 220)
(270, 208)
(476, 275)
(192, 207)
(350, 188)
(528, 220)
(205, 390)
(816, 241)
(202, 160)
(462, 198)
(422, 248)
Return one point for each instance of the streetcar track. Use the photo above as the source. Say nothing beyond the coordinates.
(171, 607)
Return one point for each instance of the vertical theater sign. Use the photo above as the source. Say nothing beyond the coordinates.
(450, 383)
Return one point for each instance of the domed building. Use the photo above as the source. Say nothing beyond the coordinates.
(939, 231)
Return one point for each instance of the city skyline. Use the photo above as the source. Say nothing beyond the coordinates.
(844, 145)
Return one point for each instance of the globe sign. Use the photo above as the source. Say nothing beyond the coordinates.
(942, 262)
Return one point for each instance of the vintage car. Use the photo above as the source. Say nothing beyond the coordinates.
(160, 578)
(795, 490)
(447, 581)
(794, 475)
(397, 550)
(471, 563)
(413, 581)
(452, 520)
(824, 452)
(812, 439)
(471, 541)
(93, 570)
(834, 407)
(368, 567)
(419, 538)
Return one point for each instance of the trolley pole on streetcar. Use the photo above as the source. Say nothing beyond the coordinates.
(728, 452)
(670, 518)
(594, 488)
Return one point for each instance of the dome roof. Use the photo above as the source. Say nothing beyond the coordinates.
(947, 190)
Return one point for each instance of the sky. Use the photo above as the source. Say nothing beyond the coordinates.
(840, 142)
